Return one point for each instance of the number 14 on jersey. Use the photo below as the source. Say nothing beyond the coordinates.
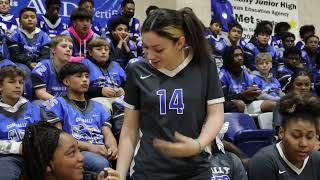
(176, 101)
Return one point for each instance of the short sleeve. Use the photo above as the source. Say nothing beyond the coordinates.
(215, 94)
(131, 99)
(46, 39)
(105, 116)
(36, 114)
(53, 107)
(39, 76)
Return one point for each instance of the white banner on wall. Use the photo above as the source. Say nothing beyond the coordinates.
(249, 12)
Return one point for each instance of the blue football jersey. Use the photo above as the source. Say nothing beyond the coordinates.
(29, 47)
(52, 29)
(111, 76)
(270, 85)
(84, 125)
(8, 22)
(12, 125)
(47, 73)
(235, 85)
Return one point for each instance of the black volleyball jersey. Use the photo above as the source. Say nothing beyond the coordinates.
(170, 101)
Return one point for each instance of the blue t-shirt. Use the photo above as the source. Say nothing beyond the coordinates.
(84, 125)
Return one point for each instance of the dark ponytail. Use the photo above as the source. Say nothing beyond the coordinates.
(172, 24)
(193, 29)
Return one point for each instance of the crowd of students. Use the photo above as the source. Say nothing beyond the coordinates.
(68, 85)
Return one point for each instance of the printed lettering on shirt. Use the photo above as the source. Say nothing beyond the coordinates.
(40, 69)
(175, 103)
(49, 104)
(220, 173)
(16, 134)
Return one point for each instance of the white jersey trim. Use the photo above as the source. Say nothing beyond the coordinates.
(180, 67)
(215, 101)
(48, 22)
(293, 167)
(128, 105)
(6, 17)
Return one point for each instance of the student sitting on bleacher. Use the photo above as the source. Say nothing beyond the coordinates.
(287, 41)
(310, 51)
(127, 11)
(234, 38)
(28, 44)
(122, 48)
(45, 75)
(107, 78)
(86, 120)
(279, 29)
(236, 81)
(304, 32)
(16, 113)
(80, 31)
(263, 78)
(238, 85)
(292, 61)
(96, 26)
(260, 44)
(294, 156)
(213, 33)
(51, 22)
(8, 23)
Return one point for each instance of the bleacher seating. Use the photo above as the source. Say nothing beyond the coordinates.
(245, 135)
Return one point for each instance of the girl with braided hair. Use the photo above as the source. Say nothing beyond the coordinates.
(52, 154)
(294, 156)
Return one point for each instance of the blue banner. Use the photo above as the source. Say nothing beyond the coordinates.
(104, 9)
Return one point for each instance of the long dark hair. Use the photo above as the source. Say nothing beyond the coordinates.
(173, 24)
(298, 72)
(228, 57)
(38, 146)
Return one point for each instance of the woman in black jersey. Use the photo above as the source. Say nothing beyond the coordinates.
(173, 98)
(293, 158)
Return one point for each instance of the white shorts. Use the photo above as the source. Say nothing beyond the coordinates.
(254, 107)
